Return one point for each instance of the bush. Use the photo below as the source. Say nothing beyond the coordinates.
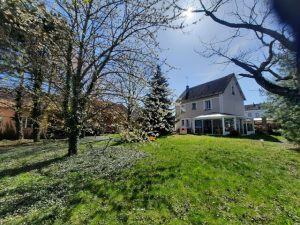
(9, 132)
(234, 133)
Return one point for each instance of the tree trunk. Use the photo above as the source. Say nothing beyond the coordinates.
(74, 115)
(37, 113)
(129, 117)
(74, 125)
(298, 73)
(73, 142)
(19, 109)
(19, 126)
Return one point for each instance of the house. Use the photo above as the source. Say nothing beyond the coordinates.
(102, 117)
(262, 122)
(255, 111)
(7, 114)
(213, 108)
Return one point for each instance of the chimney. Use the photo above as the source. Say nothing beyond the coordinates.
(187, 92)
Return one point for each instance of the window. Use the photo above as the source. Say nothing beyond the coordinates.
(232, 90)
(249, 126)
(187, 123)
(182, 123)
(257, 115)
(29, 123)
(194, 106)
(249, 114)
(198, 124)
(207, 105)
(229, 124)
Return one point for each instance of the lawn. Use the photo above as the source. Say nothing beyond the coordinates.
(175, 180)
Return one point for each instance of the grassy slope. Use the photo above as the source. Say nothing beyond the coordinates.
(185, 180)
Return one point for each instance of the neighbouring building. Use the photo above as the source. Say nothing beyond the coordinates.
(7, 113)
(255, 111)
(213, 108)
(262, 122)
(102, 117)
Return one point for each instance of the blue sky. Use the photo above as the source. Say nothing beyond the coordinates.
(180, 51)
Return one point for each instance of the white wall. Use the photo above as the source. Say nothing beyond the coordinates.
(233, 104)
(261, 113)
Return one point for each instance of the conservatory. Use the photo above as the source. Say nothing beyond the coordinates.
(222, 124)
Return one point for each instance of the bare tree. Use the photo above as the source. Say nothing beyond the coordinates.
(101, 33)
(130, 86)
(253, 20)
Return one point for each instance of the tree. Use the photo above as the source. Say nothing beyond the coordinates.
(100, 33)
(286, 111)
(253, 20)
(129, 87)
(27, 46)
(159, 118)
(19, 108)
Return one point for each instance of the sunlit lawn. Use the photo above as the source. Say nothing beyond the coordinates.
(175, 180)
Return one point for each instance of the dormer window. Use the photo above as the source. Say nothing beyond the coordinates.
(232, 90)
(207, 105)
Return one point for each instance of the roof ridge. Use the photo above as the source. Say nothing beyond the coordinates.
(229, 75)
(210, 88)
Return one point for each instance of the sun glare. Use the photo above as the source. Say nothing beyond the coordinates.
(188, 13)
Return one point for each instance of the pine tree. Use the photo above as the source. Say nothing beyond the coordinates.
(159, 118)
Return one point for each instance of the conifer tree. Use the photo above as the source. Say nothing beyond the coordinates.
(159, 118)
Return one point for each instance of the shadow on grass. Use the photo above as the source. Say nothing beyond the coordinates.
(15, 143)
(265, 137)
(7, 148)
(52, 194)
(137, 190)
(295, 149)
(28, 168)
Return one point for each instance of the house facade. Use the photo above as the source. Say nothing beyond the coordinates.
(255, 111)
(262, 121)
(213, 108)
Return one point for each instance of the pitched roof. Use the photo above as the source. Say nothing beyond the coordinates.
(259, 106)
(208, 89)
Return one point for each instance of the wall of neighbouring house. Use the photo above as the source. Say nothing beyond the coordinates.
(7, 124)
(233, 104)
(258, 113)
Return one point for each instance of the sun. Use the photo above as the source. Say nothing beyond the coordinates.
(188, 13)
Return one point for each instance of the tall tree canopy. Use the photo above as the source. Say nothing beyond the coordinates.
(28, 45)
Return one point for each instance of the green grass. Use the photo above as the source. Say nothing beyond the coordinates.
(183, 180)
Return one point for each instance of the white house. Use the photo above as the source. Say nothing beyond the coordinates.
(214, 108)
(255, 111)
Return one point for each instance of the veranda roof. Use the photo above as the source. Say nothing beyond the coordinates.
(219, 116)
